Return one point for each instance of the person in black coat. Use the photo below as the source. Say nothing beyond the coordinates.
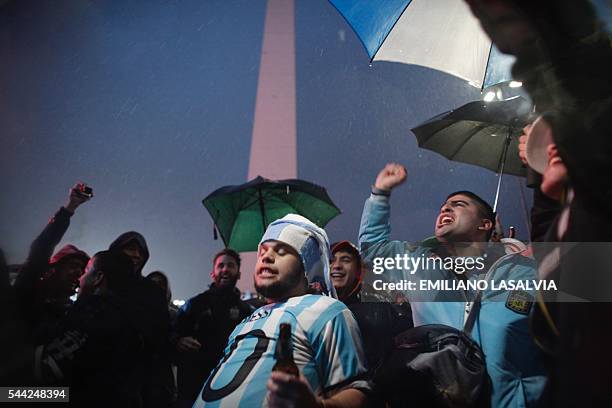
(159, 388)
(204, 324)
(102, 351)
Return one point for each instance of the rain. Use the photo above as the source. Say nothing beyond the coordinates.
(152, 104)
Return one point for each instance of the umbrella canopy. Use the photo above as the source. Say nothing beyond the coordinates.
(481, 133)
(242, 213)
(440, 34)
(478, 133)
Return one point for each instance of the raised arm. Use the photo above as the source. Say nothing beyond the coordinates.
(375, 230)
(43, 246)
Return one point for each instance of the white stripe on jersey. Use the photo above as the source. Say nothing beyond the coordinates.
(270, 327)
(312, 312)
(337, 373)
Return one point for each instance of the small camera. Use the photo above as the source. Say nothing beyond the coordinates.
(85, 190)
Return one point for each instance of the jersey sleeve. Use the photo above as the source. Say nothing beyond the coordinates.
(339, 351)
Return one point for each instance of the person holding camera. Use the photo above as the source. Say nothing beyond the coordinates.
(45, 283)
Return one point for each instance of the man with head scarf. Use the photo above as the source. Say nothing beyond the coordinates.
(293, 255)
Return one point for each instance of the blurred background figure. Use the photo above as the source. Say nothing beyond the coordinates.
(204, 324)
(161, 280)
(162, 392)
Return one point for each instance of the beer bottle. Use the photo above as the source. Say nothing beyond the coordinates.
(283, 353)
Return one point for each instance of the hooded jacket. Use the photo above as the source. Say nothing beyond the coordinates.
(150, 301)
(127, 237)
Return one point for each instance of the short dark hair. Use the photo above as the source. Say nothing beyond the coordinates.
(118, 269)
(228, 252)
(484, 209)
(164, 278)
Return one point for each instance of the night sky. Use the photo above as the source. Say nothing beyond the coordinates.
(151, 102)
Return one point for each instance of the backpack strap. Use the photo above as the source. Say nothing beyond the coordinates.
(471, 319)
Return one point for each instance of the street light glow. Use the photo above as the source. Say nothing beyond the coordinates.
(489, 96)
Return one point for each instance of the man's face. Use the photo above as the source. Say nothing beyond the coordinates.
(225, 272)
(133, 251)
(459, 221)
(344, 271)
(68, 272)
(90, 280)
(279, 273)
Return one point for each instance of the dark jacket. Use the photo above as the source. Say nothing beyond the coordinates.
(34, 292)
(16, 343)
(102, 352)
(577, 87)
(379, 320)
(209, 317)
(158, 389)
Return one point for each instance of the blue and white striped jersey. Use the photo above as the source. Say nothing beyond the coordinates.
(327, 349)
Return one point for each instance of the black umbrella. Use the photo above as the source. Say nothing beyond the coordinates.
(481, 133)
(242, 213)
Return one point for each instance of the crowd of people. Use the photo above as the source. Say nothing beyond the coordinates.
(123, 343)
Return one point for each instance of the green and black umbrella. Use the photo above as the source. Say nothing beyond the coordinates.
(242, 213)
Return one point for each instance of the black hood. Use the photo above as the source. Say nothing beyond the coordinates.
(127, 237)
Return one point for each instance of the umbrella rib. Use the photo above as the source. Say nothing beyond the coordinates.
(254, 200)
(484, 77)
(389, 32)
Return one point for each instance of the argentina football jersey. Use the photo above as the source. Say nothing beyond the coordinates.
(326, 348)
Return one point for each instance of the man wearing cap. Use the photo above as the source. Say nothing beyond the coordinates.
(462, 230)
(377, 315)
(45, 283)
(327, 349)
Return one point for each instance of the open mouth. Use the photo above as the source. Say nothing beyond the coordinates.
(445, 220)
(337, 275)
(266, 273)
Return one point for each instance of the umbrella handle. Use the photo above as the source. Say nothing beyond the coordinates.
(501, 168)
(262, 209)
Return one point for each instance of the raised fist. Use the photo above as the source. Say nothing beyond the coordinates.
(77, 196)
(391, 176)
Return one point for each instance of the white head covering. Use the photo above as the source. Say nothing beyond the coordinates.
(310, 242)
